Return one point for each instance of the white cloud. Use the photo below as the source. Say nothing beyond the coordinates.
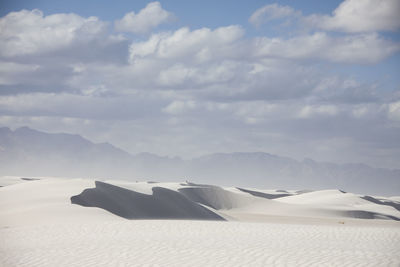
(178, 107)
(29, 32)
(271, 12)
(11, 72)
(206, 45)
(148, 18)
(362, 48)
(82, 106)
(310, 111)
(360, 111)
(202, 44)
(351, 16)
(360, 16)
(194, 76)
(393, 110)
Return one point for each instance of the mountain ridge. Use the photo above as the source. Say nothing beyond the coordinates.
(26, 151)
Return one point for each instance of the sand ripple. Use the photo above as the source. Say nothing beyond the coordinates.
(198, 243)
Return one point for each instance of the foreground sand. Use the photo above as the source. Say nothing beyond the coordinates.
(198, 243)
(40, 227)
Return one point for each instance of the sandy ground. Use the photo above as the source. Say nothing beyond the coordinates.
(198, 243)
(40, 227)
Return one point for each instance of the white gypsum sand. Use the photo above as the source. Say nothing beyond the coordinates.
(40, 227)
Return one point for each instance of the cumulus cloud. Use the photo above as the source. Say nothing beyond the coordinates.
(11, 72)
(272, 12)
(30, 32)
(148, 18)
(92, 107)
(206, 45)
(362, 48)
(310, 111)
(393, 110)
(360, 16)
(202, 44)
(177, 107)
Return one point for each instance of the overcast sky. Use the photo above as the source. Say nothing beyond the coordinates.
(317, 79)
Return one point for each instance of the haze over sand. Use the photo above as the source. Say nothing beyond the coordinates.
(82, 222)
(28, 152)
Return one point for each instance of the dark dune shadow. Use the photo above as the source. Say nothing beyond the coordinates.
(30, 179)
(282, 191)
(198, 185)
(304, 191)
(263, 195)
(379, 202)
(362, 214)
(163, 204)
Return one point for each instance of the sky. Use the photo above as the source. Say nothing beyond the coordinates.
(303, 79)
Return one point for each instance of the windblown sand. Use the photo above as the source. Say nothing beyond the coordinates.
(40, 227)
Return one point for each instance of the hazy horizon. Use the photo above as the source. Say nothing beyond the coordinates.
(198, 156)
(26, 152)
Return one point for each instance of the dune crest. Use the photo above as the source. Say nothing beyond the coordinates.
(124, 223)
(162, 204)
(209, 202)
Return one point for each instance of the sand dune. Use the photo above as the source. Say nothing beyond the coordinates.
(82, 222)
(181, 200)
(216, 197)
(265, 195)
(162, 204)
(346, 204)
(143, 200)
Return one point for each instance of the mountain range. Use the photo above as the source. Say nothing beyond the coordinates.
(28, 152)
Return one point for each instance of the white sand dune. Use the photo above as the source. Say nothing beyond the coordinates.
(162, 204)
(82, 222)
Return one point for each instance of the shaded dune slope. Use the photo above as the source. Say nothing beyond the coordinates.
(380, 202)
(209, 202)
(162, 204)
(262, 194)
(362, 214)
(215, 197)
(346, 204)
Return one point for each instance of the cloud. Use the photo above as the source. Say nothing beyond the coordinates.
(177, 107)
(92, 107)
(201, 45)
(29, 32)
(271, 12)
(11, 72)
(148, 18)
(361, 48)
(351, 16)
(310, 111)
(393, 110)
(205, 45)
(193, 91)
(360, 16)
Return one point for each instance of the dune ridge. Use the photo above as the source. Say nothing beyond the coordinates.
(122, 223)
(209, 202)
(162, 204)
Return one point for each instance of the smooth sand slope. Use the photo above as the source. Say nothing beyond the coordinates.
(82, 222)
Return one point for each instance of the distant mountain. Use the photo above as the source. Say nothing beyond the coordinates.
(271, 171)
(27, 152)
